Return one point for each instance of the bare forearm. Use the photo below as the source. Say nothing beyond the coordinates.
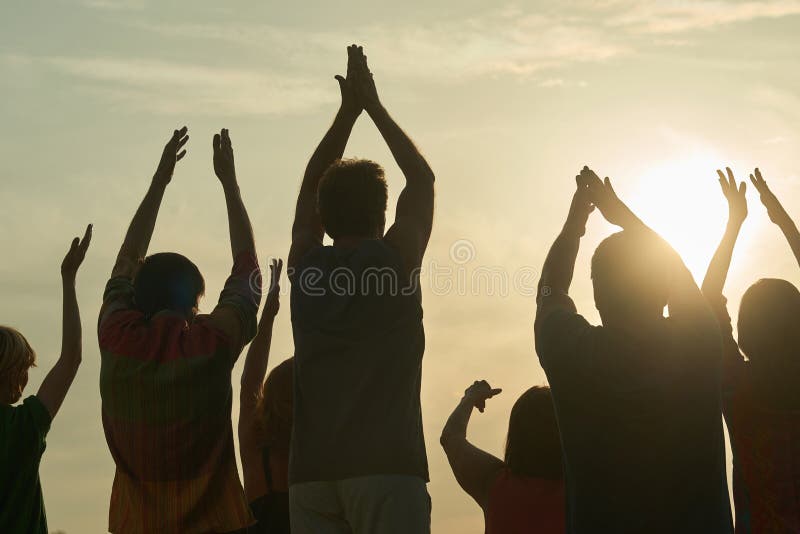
(714, 281)
(789, 229)
(330, 149)
(140, 231)
(559, 265)
(71, 324)
(408, 158)
(256, 363)
(456, 426)
(241, 232)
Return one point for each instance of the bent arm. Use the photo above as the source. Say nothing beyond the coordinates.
(414, 215)
(307, 229)
(255, 369)
(473, 468)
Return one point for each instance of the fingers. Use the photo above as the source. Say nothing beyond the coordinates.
(226, 139)
(180, 155)
(216, 142)
(87, 238)
(731, 179)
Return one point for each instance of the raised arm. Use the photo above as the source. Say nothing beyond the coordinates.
(411, 230)
(777, 213)
(473, 468)
(686, 302)
(307, 230)
(238, 222)
(255, 369)
(560, 262)
(140, 231)
(717, 273)
(56, 384)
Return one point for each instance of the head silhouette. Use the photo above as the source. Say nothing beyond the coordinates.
(769, 327)
(168, 281)
(533, 446)
(16, 357)
(631, 278)
(274, 427)
(352, 199)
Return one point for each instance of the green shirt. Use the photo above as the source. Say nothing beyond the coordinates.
(23, 429)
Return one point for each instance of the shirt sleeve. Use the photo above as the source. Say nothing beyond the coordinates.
(236, 311)
(31, 424)
(117, 296)
(561, 337)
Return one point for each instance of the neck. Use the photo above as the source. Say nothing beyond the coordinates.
(349, 241)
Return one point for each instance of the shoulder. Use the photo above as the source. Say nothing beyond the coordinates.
(29, 420)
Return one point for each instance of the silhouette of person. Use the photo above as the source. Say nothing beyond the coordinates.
(761, 396)
(358, 461)
(637, 399)
(165, 378)
(265, 422)
(524, 493)
(24, 427)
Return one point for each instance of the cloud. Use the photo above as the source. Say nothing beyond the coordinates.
(179, 88)
(673, 17)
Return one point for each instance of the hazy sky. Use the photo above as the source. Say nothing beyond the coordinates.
(507, 101)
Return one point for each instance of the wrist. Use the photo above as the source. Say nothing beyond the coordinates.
(230, 186)
(68, 279)
(573, 228)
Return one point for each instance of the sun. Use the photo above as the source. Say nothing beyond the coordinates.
(680, 198)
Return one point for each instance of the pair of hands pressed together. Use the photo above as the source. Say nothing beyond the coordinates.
(173, 152)
(737, 200)
(591, 193)
(358, 87)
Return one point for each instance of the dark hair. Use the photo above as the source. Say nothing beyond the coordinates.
(533, 446)
(631, 273)
(274, 426)
(168, 281)
(769, 324)
(352, 198)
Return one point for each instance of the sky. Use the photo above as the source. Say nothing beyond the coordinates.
(506, 100)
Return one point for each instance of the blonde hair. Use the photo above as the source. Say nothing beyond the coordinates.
(16, 357)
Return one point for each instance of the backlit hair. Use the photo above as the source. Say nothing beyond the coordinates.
(16, 357)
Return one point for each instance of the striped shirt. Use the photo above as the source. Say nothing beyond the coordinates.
(166, 394)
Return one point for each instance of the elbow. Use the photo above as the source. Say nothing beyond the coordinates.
(445, 440)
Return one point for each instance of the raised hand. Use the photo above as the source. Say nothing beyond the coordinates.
(737, 201)
(171, 155)
(223, 159)
(479, 392)
(273, 302)
(581, 207)
(363, 81)
(602, 195)
(75, 255)
(775, 210)
(351, 104)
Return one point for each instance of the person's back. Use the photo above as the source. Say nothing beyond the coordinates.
(638, 399)
(165, 377)
(524, 493)
(358, 367)
(24, 427)
(357, 458)
(761, 397)
(641, 429)
(520, 504)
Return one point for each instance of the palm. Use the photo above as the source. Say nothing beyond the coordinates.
(775, 210)
(76, 253)
(736, 196)
(224, 166)
(172, 154)
(273, 303)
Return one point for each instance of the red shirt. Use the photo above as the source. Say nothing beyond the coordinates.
(525, 505)
(165, 384)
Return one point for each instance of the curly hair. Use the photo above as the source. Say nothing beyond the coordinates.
(352, 198)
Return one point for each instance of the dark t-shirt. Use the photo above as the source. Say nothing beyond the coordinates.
(640, 423)
(23, 430)
(359, 342)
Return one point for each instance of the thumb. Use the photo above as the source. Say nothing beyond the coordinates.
(341, 81)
